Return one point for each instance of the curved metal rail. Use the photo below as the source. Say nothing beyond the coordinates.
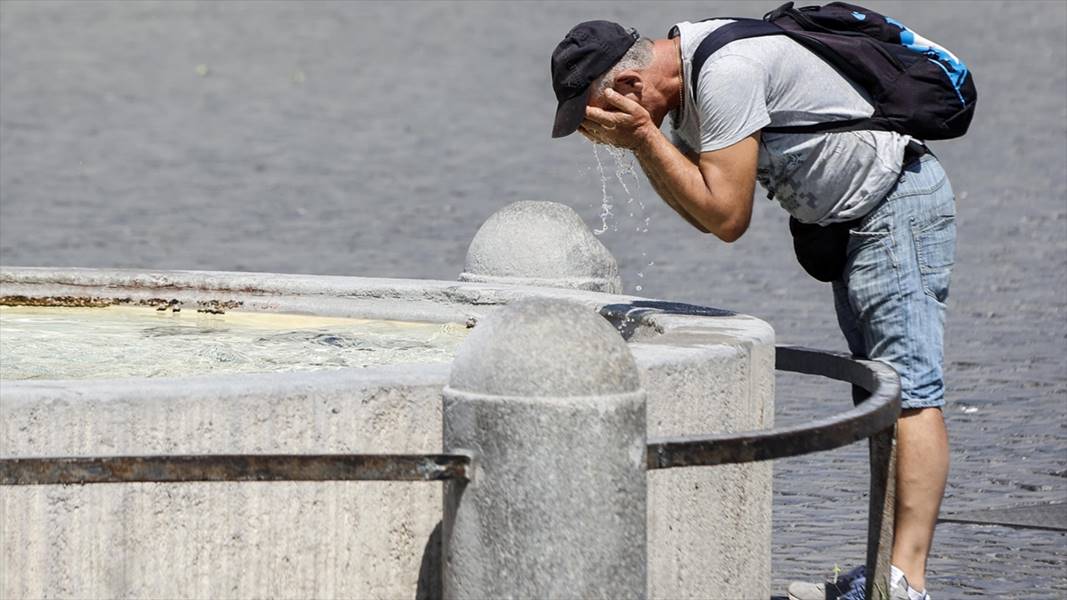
(874, 417)
(875, 414)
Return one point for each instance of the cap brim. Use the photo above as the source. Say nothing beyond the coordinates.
(570, 114)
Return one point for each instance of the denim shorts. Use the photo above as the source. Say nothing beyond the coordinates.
(890, 301)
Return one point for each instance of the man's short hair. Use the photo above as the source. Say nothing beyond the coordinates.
(639, 56)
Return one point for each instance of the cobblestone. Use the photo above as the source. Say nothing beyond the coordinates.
(304, 125)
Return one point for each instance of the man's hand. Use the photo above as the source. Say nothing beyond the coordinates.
(713, 193)
(628, 127)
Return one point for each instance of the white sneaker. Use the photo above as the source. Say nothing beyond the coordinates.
(900, 589)
(851, 586)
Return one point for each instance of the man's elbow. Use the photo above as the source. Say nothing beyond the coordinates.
(731, 231)
(730, 235)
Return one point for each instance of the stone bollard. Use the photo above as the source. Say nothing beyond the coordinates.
(546, 397)
(540, 243)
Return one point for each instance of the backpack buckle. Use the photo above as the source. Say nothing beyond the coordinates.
(779, 12)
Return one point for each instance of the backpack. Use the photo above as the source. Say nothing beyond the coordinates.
(917, 87)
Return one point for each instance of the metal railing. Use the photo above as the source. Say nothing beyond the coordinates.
(873, 417)
(876, 390)
(233, 467)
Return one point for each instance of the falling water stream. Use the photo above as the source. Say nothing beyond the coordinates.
(625, 169)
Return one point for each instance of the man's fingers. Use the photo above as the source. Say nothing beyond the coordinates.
(595, 128)
(605, 118)
(621, 102)
(586, 129)
(591, 125)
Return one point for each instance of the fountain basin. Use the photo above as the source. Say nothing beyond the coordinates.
(122, 341)
(704, 371)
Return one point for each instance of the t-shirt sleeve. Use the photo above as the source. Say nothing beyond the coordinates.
(680, 144)
(732, 99)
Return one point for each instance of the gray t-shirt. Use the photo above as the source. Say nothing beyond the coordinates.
(752, 83)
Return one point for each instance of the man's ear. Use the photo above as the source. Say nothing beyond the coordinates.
(629, 83)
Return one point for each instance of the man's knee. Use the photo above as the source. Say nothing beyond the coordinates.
(929, 411)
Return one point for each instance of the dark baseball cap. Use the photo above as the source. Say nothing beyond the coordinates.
(588, 51)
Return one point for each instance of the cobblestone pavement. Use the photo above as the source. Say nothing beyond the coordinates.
(373, 139)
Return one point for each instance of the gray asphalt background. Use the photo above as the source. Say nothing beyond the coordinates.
(373, 139)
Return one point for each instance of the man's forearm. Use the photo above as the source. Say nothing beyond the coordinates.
(682, 185)
(667, 194)
(677, 180)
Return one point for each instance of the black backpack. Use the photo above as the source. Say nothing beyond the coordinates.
(917, 87)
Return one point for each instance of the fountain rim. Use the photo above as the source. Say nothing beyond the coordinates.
(421, 300)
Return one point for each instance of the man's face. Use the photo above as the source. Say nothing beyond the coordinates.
(628, 83)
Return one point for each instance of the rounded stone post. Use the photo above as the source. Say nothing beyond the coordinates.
(546, 397)
(540, 243)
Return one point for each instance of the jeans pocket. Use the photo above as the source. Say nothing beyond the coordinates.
(935, 249)
(875, 232)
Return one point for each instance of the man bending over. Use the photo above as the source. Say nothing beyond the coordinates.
(617, 88)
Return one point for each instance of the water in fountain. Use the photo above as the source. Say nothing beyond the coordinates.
(127, 341)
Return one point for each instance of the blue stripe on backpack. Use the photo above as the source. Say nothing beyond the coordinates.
(953, 67)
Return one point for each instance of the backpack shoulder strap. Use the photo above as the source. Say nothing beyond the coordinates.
(749, 28)
(738, 30)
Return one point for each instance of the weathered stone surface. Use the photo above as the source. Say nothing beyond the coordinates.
(708, 528)
(557, 505)
(546, 348)
(540, 243)
(215, 540)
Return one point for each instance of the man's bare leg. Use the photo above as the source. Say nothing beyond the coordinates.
(922, 469)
